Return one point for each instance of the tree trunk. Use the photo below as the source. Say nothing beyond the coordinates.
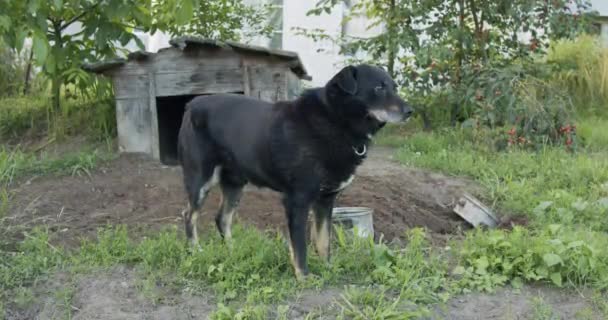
(392, 47)
(56, 92)
(459, 59)
(56, 83)
(28, 71)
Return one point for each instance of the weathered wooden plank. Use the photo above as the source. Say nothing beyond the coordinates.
(203, 80)
(246, 80)
(133, 118)
(131, 86)
(175, 60)
(155, 141)
(132, 67)
(268, 83)
(294, 86)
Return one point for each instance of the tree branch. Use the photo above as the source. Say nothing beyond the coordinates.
(77, 17)
(474, 14)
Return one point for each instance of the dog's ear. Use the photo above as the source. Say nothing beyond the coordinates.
(346, 80)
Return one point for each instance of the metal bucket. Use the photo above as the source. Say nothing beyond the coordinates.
(351, 217)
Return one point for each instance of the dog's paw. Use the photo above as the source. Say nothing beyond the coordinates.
(194, 246)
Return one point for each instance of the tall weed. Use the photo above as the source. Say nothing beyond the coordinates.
(33, 115)
(583, 70)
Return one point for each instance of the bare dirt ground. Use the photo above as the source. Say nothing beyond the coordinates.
(528, 303)
(134, 190)
(116, 294)
(141, 193)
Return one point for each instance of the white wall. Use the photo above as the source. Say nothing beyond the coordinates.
(601, 6)
(319, 58)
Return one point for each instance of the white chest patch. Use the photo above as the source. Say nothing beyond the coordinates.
(345, 183)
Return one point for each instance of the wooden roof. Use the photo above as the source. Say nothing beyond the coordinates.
(183, 43)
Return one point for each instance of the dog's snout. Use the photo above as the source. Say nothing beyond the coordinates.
(406, 109)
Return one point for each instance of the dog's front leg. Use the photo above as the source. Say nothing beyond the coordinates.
(297, 207)
(321, 227)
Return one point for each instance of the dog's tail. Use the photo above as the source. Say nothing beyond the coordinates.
(192, 131)
(197, 113)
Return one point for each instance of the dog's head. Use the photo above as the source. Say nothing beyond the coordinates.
(365, 98)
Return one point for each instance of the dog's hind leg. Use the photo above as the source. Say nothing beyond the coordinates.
(231, 196)
(198, 185)
(321, 226)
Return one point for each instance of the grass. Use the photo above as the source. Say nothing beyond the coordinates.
(33, 116)
(584, 72)
(248, 278)
(563, 194)
(15, 164)
(550, 186)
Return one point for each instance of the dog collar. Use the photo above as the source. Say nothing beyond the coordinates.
(360, 151)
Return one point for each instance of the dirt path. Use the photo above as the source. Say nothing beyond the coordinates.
(115, 294)
(135, 190)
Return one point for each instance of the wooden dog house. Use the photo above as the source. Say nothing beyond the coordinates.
(151, 89)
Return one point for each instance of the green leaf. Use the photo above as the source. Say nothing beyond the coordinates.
(20, 36)
(33, 6)
(542, 207)
(459, 270)
(58, 4)
(579, 205)
(184, 12)
(481, 265)
(552, 259)
(50, 64)
(40, 47)
(556, 277)
(5, 22)
(575, 244)
(517, 283)
(603, 202)
(554, 228)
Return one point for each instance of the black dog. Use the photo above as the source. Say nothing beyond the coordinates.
(307, 149)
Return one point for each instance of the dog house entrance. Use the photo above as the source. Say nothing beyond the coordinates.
(170, 111)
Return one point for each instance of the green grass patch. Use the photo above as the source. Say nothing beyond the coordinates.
(15, 164)
(254, 272)
(593, 133)
(392, 134)
(549, 186)
(564, 195)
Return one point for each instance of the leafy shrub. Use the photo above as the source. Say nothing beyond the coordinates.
(18, 115)
(12, 72)
(516, 97)
(555, 254)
